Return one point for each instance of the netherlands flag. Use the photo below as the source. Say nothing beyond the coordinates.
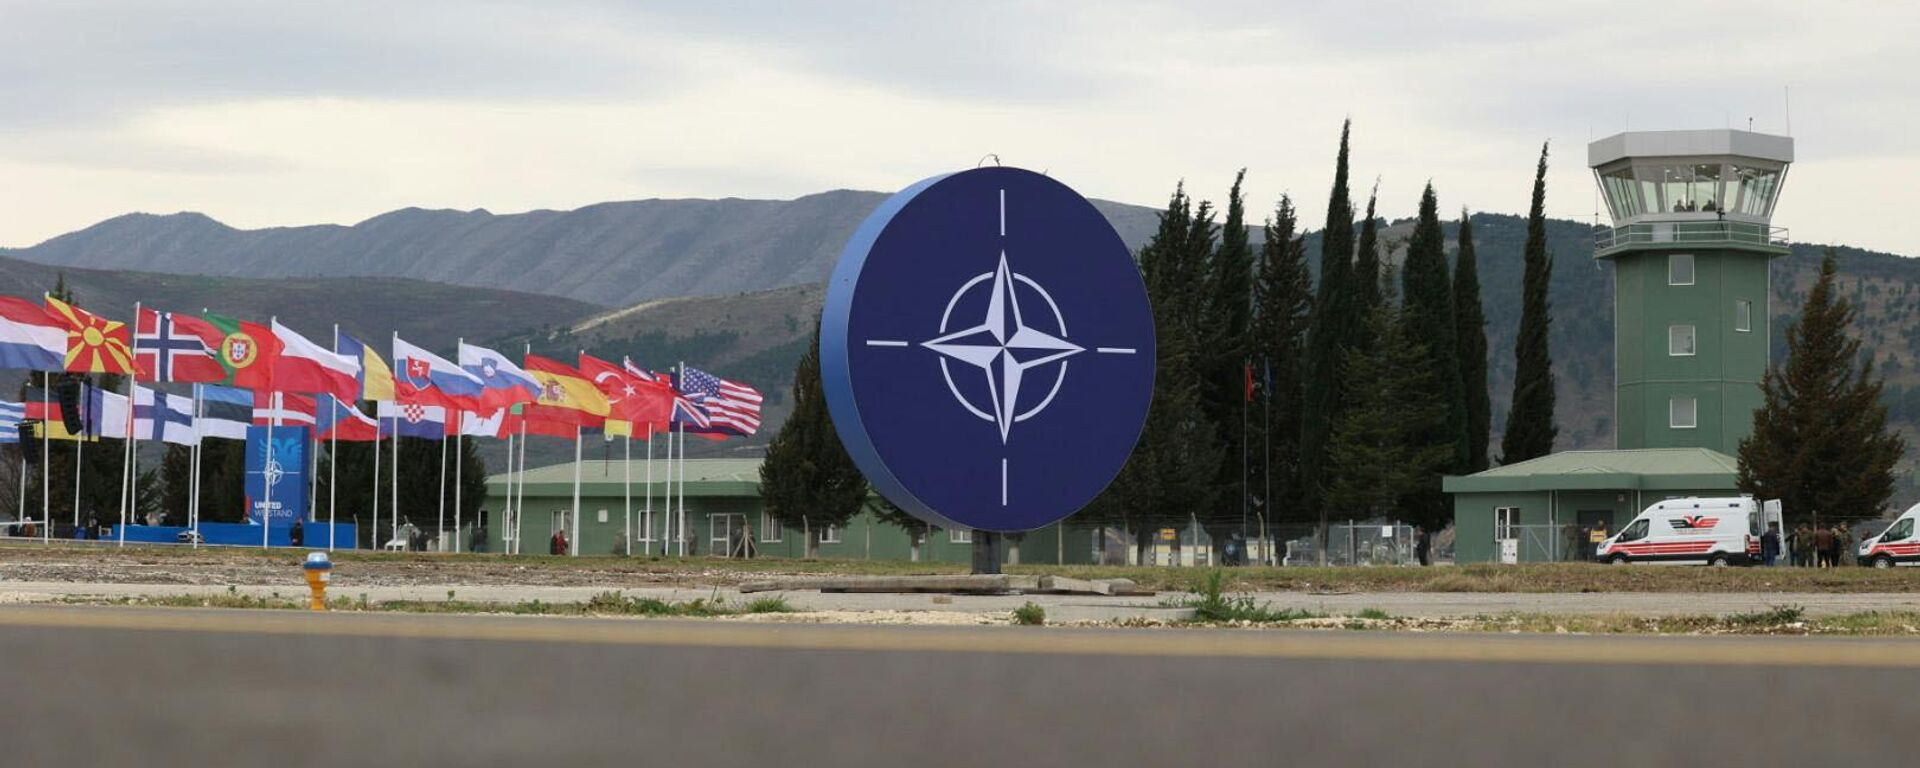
(31, 338)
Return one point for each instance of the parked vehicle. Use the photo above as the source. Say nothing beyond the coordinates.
(1897, 545)
(1692, 531)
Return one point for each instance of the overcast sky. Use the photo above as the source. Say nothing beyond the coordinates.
(270, 114)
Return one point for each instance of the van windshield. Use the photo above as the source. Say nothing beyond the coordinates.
(1634, 532)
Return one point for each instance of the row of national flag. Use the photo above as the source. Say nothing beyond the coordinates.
(253, 373)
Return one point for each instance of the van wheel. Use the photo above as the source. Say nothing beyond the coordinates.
(1882, 561)
(1617, 560)
(1719, 561)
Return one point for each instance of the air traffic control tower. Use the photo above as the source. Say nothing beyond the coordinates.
(1690, 244)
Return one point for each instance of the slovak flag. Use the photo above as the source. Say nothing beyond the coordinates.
(424, 378)
(31, 338)
(505, 382)
(174, 347)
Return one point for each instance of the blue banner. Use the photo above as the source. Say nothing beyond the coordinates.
(281, 467)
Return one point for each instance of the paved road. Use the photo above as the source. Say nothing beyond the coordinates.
(1064, 607)
(124, 686)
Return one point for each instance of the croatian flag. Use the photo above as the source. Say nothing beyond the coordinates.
(424, 378)
(163, 417)
(31, 338)
(414, 420)
(505, 382)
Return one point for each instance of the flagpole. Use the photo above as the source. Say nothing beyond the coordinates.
(333, 451)
(129, 471)
(666, 493)
(79, 441)
(648, 515)
(459, 465)
(520, 504)
(394, 508)
(193, 461)
(626, 466)
(46, 464)
(440, 525)
(374, 532)
(506, 510)
(683, 490)
(266, 480)
(573, 545)
(313, 473)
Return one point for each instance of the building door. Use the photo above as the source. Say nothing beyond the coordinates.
(1595, 526)
(721, 530)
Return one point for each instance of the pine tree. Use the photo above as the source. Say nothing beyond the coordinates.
(807, 481)
(1175, 464)
(1470, 334)
(1530, 424)
(1429, 325)
(1284, 295)
(1228, 308)
(1327, 341)
(1820, 442)
(1381, 443)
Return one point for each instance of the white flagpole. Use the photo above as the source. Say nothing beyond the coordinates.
(394, 509)
(506, 509)
(627, 485)
(374, 532)
(520, 504)
(130, 472)
(313, 473)
(193, 488)
(46, 463)
(80, 440)
(648, 515)
(459, 453)
(266, 480)
(333, 451)
(440, 525)
(573, 545)
(666, 513)
(683, 490)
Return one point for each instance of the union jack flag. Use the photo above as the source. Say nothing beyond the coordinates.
(731, 407)
(684, 410)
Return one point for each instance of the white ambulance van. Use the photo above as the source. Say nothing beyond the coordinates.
(1897, 545)
(1723, 531)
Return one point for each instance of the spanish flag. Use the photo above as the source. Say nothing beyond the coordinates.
(564, 387)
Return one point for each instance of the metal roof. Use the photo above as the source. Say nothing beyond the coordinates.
(705, 477)
(1652, 469)
(1717, 142)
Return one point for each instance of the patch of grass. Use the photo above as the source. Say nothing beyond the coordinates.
(1372, 613)
(773, 604)
(1030, 615)
(1775, 616)
(1211, 603)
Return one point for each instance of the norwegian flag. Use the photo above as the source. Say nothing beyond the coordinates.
(174, 347)
(731, 407)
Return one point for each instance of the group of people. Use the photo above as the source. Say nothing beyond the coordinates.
(1820, 547)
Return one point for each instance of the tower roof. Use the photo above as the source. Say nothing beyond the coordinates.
(1709, 143)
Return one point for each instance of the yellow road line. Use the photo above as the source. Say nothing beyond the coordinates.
(1248, 644)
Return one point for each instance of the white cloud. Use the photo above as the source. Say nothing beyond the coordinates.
(340, 113)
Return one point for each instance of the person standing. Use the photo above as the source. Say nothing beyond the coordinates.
(1842, 544)
(558, 545)
(1770, 545)
(1823, 547)
(297, 535)
(479, 541)
(1423, 546)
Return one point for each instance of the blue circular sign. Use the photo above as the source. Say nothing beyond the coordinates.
(987, 350)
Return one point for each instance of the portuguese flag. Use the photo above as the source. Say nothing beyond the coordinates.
(247, 351)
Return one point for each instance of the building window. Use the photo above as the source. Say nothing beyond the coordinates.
(960, 535)
(830, 534)
(1680, 269)
(1680, 341)
(771, 531)
(1742, 315)
(602, 516)
(1504, 520)
(1683, 412)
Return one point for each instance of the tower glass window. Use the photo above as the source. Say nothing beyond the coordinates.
(1680, 340)
(1756, 189)
(1743, 315)
(1683, 412)
(1680, 269)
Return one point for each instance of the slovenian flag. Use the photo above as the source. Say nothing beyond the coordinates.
(424, 378)
(506, 384)
(31, 338)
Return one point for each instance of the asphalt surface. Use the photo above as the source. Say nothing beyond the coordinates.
(82, 686)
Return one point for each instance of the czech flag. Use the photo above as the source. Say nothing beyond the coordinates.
(345, 423)
(31, 338)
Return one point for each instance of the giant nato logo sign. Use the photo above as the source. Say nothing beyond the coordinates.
(986, 350)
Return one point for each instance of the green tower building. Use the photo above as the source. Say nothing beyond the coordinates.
(1690, 244)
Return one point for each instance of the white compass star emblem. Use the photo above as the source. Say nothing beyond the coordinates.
(1003, 347)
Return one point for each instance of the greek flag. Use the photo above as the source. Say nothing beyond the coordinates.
(10, 416)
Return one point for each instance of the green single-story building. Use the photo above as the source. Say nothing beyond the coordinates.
(1550, 507)
(722, 497)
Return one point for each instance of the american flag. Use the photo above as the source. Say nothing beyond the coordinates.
(731, 407)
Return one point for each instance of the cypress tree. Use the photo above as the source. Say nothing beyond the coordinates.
(1530, 428)
(1820, 442)
(1470, 333)
(1383, 443)
(1176, 462)
(1284, 292)
(807, 480)
(1366, 268)
(1228, 308)
(1327, 341)
(1429, 325)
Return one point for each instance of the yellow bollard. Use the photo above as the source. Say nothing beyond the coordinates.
(319, 569)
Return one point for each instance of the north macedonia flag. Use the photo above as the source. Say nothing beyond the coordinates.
(94, 344)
